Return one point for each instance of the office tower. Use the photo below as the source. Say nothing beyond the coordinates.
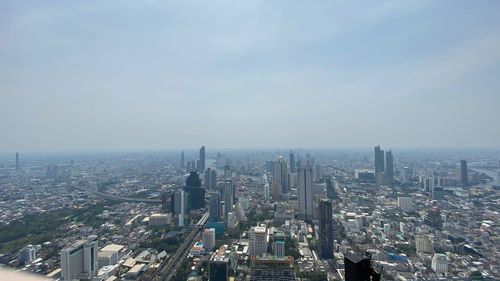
(405, 174)
(279, 244)
(325, 230)
(193, 179)
(271, 269)
(213, 179)
(210, 178)
(359, 269)
(166, 203)
(379, 161)
(317, 171)
(270, 167)
(208, 173)
(309, 161)
(219, 160)
(218, 269)
(209, 239)
(463, 173)
(427, 183)
(266, 187)
(227, 172)
(276, 191)
(228, 198)
(190, 165)
(80, 259)
(17, 161)
(201, 166)
(27, 254)
(305, 193)
(330, 189)
(182, 160)
(257, 240)
(293, 167)
(389, 171)
(182, 208)
(299, 163)
(195, 191)
(281, 174)
(178, 201)
(215, 208)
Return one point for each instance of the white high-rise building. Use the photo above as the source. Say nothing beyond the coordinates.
(305, 192)
(228, 197)
(440, 264)
(257, 238)
(183, 209)
(27, 254)
(80, 259)
(405, 203)
(405, 174)
(209, 239)
(266, 187)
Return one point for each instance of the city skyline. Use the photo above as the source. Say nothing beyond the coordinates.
(249, 140)
(136, 76)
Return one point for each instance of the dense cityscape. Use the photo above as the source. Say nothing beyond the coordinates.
(284, 140)
(252, 215)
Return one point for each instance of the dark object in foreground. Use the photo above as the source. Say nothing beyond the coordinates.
(359, 268)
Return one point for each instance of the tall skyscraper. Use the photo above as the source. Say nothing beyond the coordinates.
(210, 178)
(389, 171)
(228, 198)
(281, 174)
(166, 203)
(201, 166)
(293, 167)
(195, 190)
(227, 172)
(219, 160)
(215, 207)
(266, 187)
(257, 240)
(276, 191)
(190, 165)
(379, 160)
(183, 162)
(305, 193)
(330, 189)
(80, 259)
(325, 230)
(183, 208)
(17, 161)
(463, 173)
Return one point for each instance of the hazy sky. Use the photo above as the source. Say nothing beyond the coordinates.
(85, 75)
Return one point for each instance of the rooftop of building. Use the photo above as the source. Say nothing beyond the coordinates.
(112, 248)
(137, 268)
(260, 229)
